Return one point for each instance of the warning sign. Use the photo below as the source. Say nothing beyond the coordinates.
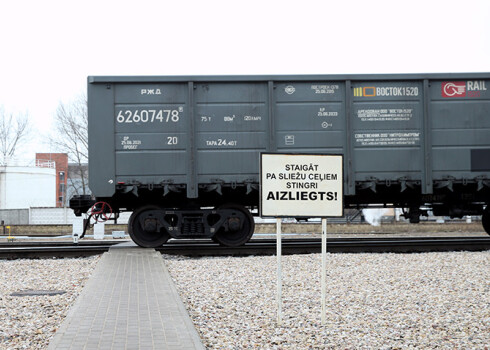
(301, 185)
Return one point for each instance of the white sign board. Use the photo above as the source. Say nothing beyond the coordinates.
(301, 185)
(99, 230)
(77, 226)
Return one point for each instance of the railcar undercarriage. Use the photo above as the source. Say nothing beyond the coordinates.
(223, 215)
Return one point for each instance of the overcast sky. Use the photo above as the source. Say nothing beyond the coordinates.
(48, 48)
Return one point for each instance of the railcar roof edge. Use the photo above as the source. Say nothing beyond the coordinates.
(312, 77)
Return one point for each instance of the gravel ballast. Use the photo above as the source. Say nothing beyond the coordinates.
(374, 301)
(31, 321)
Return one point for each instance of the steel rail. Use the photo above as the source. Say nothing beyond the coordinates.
(16, 250)
(54, 251)
(334, 245)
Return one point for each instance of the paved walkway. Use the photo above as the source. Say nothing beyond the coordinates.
(130, 302)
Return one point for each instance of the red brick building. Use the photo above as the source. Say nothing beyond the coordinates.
(60, 162)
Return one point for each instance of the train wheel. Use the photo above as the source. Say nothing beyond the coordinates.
(238, 229)
(143, 228)
(485, 219)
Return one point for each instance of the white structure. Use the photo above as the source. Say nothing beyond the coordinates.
(63, 216)
(26, 187)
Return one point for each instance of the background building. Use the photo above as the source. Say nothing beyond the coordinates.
(24, 187)
(77, 181)
(61, 165)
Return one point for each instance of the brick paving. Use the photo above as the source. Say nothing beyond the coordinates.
(130, 302)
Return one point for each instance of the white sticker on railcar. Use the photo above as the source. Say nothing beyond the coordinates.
(149, 115)
(252, 118)
(222, 143)
(388, 139)
(127, 143)
(325, 89)
(385, 115)
(151, 91)
(322, 112)
(289, 140)
(172, 140)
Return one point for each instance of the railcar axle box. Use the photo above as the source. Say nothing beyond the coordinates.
(182, 152)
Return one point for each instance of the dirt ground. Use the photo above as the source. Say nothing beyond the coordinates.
(433, 229)
(385, 229)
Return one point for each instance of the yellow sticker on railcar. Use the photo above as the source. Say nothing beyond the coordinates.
(386, 91)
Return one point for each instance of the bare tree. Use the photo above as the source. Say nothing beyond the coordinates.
(70, 136)
(14, 131)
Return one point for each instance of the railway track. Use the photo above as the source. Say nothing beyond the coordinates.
(334, 245)
(16, 250)
(52, 249)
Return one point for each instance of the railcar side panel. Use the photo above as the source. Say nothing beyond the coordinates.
(183, 153)
(309, 117)
(460, 127)
(403, 137)
(387, 131)
(101, 150)
(231, 130)
(151, 133)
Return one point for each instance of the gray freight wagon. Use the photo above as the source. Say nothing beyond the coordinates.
(182, 152)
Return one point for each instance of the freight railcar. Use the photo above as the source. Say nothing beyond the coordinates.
(182, 152)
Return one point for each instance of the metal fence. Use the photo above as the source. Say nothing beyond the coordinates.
(45, 216)
(14, 216)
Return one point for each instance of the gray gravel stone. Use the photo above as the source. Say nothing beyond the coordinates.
(29, 322)
(374, 301)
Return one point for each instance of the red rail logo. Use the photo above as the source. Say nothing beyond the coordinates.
(453, 89)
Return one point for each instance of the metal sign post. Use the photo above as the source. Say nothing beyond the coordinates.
(279, 271)
(301, 185)
(324, 269)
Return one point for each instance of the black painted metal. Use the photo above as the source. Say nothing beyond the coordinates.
(17, 250)
(36, 250)
(334, 245)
